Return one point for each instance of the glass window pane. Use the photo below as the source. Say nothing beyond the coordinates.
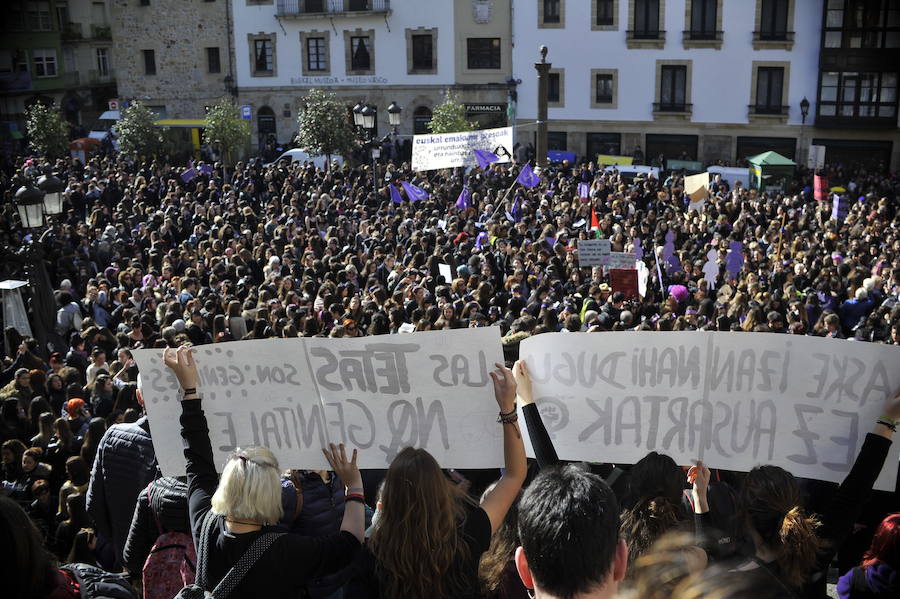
(847, 110)
(833, 39)
(887, 111)
(829, 94)
(835, 18)
(826, 109)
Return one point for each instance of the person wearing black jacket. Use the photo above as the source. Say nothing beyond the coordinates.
(238, 520)
(161, 507)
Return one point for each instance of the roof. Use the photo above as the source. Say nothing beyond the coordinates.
(771, 158)
(188, 123)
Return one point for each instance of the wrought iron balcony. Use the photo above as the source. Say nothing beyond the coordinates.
(302, 9)
(673, 107)
(766, 110)
(702, 36)
(773, 36)
(646, 34)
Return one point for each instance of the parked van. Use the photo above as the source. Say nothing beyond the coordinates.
(298, 155)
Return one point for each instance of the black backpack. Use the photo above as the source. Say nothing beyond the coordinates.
(96, 583)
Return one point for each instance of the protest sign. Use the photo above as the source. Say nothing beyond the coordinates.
(816, 158)
(734, 400)
(449, 150)
(626, 281)
(696, 187)
(732, 174)
(820, 188)
(378, 394)
(445, 271)
(593, 252)
(622, 260)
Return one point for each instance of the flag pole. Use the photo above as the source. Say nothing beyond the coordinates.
(516, 180)
(781, 235)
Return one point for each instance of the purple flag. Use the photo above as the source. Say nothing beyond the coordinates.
(527, 177)
(188, 174)
(395, 195)
(584, 190)
(206, 169)
(840, 207)
(485, 158)
(413, 193)
(516, 210)
(481, 239)
(465, 198)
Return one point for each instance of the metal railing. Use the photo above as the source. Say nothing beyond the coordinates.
(672, 107)
(296, 8)
(101, 32)
(773, 36)
(71, 31)
(702, 36)
(763, 109)
(646, 34)
(95, 76)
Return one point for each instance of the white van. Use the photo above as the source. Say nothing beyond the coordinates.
(298, 155)
(105, 123)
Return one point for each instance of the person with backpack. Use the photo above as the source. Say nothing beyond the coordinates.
(159, 548)
(878, 576)
(233, 519)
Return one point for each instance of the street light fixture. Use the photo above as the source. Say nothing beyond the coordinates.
(30, 205)
(368, 117)
(357, 114)
(804, 108)
(394, 111)
(53, 188)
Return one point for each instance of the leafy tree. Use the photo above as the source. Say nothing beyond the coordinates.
(225, 129)
(47, 132)
(450, 116)
(323, 126)
(137, 134)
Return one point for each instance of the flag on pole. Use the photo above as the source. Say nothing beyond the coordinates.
(595, 222)
(206, 169)
(584, 190)
(481, 240)
(413, 192)
(395, 194)
(527, 177)
(188, 174)
(485, 158)
(465, 198)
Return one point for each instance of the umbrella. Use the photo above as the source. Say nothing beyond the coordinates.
(83, 143)
(838, 189)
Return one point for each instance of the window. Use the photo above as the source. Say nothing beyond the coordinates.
(38, 16)
(862, 24)
(553, 88)
(673, 80)
(262, 56)
(551, 11)
(703, 19)
(773, 23)
(646, 19)
(144, 3)
(213, 61)
(314, 6)
(769, 87)
(609, 144)
(103, 62)
(62, 13)
(605, 15)
(149, 62)
(316, 59)
(603, 88)
(483, 52)
(557, 140)
(44, 63)
(856, 94)
(360, 56)
(422, 52)
(6, 61)
(421, 118)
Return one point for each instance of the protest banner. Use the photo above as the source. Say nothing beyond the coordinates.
(816, 157)
(732, 174)
(610, 160)
(622, 260)
(820, 188)
(626, 281)
(734, 400)
(696, 187)
(449, 150)
(378, 394)
(593, 252)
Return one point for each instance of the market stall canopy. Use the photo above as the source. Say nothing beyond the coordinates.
(769, 167)
(84, 143)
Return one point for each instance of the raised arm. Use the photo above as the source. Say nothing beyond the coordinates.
(537, 432)
(498, 501)
(201, 469)
(354, 520)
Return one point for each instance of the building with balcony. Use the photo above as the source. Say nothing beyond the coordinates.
(709, 80)
(173, 55)
(59, 52)
(378, 51)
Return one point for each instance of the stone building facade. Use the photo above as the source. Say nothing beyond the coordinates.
(173, 55)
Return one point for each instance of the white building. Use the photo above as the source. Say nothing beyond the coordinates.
(377, 51)
(692, 79)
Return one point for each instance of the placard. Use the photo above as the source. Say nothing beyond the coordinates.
(734, 400)
(450, 150)
(626, 281)
(816, 158)
(378, 394)
(622, 260)
(593, 252)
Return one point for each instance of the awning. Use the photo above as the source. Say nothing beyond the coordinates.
(185, 123)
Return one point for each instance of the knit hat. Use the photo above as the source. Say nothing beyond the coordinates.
(74, 407)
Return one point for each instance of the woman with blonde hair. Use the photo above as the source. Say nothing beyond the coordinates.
(237, 514)
(429, 537)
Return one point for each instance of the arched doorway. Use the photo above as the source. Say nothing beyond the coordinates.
(421, 117)
(267, 129)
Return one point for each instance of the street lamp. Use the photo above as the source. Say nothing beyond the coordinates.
(394, 111)
(804, 111)
(53, 188)
(543, 74)
(30, 205)
(368, 118)
(357, 114)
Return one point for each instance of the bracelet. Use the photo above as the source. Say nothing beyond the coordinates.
(191, 391)
(887, 422)
(354, 498)
(508, 419)
(503, 416)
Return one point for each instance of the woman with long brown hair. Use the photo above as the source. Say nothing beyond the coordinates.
(429, 536)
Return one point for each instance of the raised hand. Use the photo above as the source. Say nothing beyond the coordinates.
(181, 361)
(523, 382)
(504, 388)
(698, 475)
(346, 470)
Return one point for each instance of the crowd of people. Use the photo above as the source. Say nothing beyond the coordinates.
(146, 256)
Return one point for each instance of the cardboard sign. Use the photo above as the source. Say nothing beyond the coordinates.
(816, 158)
(696, 187)
(625, 281)
(378, 394)
(734, 400)
(622, 260)
(593, 252)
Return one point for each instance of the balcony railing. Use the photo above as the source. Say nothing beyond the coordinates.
(702, 36)
(72, 79)
(646, 34)
(71, 31)
(95, 76)
(773, 36)
(101, 32)
(307, 8)
(765, 110)
(681, 108)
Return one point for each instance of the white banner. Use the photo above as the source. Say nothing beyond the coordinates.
(735, 400)
(593, 252)
(449, 150)
(816, 158)
(378, 394)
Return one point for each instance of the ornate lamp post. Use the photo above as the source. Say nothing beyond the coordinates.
(543, 70)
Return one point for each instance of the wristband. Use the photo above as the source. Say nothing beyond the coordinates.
(508, 418)
(885, 421)
(354, 498)
(191, 391)
(503, 416)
